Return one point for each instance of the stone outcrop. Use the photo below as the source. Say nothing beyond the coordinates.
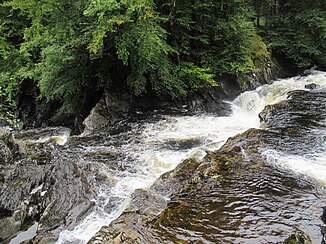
(6, 142)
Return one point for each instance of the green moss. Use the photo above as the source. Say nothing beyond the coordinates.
(197, 179)
(40, 158)
(259, 52)
(18, 183)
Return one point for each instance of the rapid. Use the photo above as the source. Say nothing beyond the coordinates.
(137, 151)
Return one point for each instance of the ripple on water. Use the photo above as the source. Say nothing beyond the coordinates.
(251, 207)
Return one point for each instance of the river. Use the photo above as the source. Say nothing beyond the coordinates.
(137, 156)
(136, 152)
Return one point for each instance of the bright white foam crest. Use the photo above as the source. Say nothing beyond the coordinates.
(313, 166)
(150, 155)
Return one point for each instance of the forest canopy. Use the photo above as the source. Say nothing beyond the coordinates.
(70, 49)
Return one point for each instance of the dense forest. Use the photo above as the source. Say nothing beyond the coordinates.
(71, 49)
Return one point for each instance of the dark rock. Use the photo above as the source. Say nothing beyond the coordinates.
(302, 109)
(323, 228)
(209, 100)
(67, 196)
(32, 111)
(46, 238)
(323, 216)
(109, 110)
(311, 86)
(42, 185)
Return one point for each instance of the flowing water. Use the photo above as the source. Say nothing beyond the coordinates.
(135, 153)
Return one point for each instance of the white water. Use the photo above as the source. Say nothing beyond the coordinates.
(25, 235)
(149, 155)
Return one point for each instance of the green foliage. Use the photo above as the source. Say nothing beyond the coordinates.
(73, 48)
(299, 33)
(214, 34)
(11, 61)
(64, 73)
(53, 46)
(142, 46)
(195, 76)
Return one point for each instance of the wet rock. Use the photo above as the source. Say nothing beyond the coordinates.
(66, 199)
(106, 235)
(8, 227)
(42, 185)
(109, 110)
(172, 181)
(311, 86)
(302, 109)
(209, 100)
(46, 238)
(215, 165)
(298, 237)
(323, 216)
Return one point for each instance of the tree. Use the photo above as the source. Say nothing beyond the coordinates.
(71, 49)
(298, 33)
(11, 36)
(210, 34)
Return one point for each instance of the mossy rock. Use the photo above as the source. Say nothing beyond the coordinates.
(5, 153)
(298, 237)
(259, 52)
(18, 183)
(41, 158)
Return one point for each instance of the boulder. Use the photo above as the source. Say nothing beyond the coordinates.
(111, 108)
(210, 100)
(312, 86)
